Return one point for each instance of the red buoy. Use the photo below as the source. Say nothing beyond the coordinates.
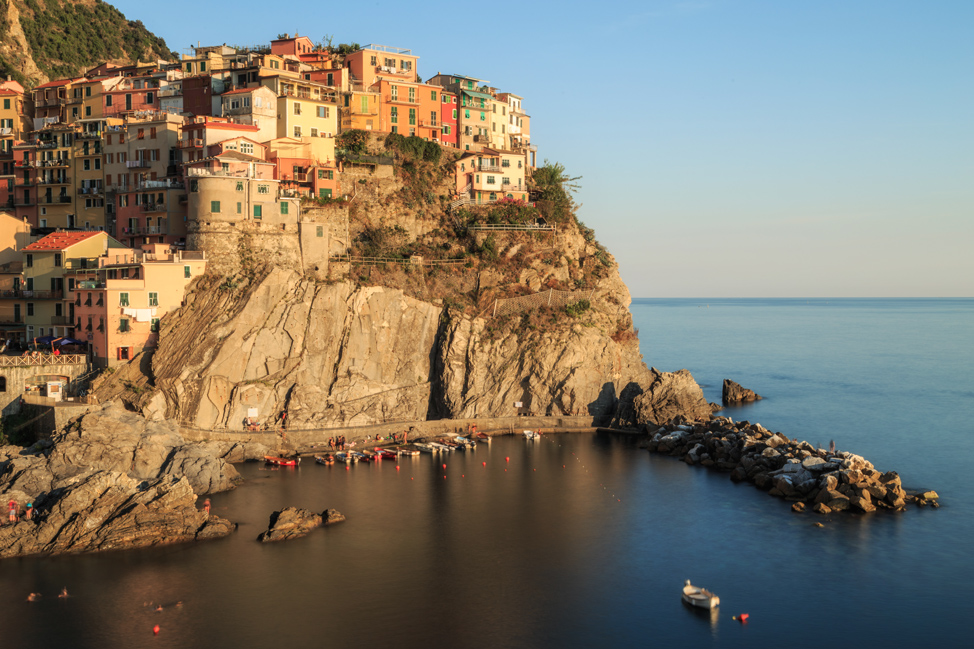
(508, 459)
(484, 463)
(444, 466)
(155, 630)
(397, 467)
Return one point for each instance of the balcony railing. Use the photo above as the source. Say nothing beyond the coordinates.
(88, 135)
(401, 100)
(160, 184)
(91, 191)
(34, 295)
(61, 320)
(428, 123)
(55, 162)
(89, 286)
(46, 144)
(153, 207)
(55, 200)
(43, 359)
(6, 130)
(54, 181)
(191, 143)
(138, 164)
(488, 168)
(25, 182)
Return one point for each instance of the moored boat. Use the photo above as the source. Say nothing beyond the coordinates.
(530, 434)
(483, 437)
(346, 457)
(699, 597)
(426, 448)
(327, 458)
(281, 461)
(386, 454)
(405, 450)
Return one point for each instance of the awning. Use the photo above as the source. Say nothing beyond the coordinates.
(474, 93)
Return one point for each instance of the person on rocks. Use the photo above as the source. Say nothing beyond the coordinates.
(64, 593)
(206, 506)
(12, 505)
(29, 512)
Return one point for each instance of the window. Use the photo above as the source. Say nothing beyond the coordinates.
(283, 208)
(30, 260)
(247, 147)
(263, 189)
(395, 114)
(321, 174)
(154, 325)
(319, 231)
(97, 164)
(412, 117)
(433, 95)
(454, 113)
(141, 134)
(297, 108)
(57, 259)
(323, 111)
(86, 164)
(202, 66)
(257, 213)
(188, 271)
(189, 67)
(123, 325)
(108, 102)
(505, 162)
(6, 104)
(30, 308)
(490, 180)
(446, 130)
(123, 353)
(87, 111)
(239, 211)
(412, 95)
(215, 207)
(123, 299)
(152, 133)
(153, 299)
(314, 132)
(297, 131)
(239, 186)
(3, 379)
(324, 193)
(483, 117)
(466, 113)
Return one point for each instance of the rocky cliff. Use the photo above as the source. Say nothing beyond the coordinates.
(496, 312)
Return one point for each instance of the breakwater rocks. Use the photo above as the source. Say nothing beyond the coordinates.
(292, 523)
(811, 478)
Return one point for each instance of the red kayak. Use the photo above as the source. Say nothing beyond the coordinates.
(385, 454)
(281, 461)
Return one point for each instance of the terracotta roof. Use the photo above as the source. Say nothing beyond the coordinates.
(60, 240)
(58, 82)
(4, 91)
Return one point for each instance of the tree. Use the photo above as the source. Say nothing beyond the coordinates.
(555, 188)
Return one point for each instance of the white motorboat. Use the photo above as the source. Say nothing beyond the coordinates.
(530, 434)
(699, 597)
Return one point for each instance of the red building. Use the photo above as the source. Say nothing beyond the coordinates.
(448, 116)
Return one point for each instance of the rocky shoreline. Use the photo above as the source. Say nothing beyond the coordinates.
(114, 480)
(811, 478)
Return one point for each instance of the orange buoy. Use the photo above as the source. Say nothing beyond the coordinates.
(347, 467)
(742, 618)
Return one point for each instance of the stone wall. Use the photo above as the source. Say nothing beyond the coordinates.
(14, 378)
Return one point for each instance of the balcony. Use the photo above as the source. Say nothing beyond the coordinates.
(91, 191)
(40, 295)
(299, 178)
(401, 100)
(63, 180)
(6, 130)
(159, 184)
(55, 200)
(138, 164)
(46, 144)
(142, 231)
(88, 135)
(88, 286)
(25, 164)
(11, 319)
(191, 143)
(428, 123)
(54, 162)
(61, 320)
(25, 182)
(24, 202)
(153, 207)
(488, 168)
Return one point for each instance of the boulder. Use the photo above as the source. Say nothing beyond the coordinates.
(929, 495)
(821, 508)
(798, 507)
(332, 516)
(814, 463)
(734, 393)
(290, 523)
(671, 394)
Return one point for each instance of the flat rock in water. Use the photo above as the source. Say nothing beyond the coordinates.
(331, 516)
(290, 523)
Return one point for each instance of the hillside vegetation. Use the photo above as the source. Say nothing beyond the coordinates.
(42, 40)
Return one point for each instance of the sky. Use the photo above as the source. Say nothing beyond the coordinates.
(726, 148)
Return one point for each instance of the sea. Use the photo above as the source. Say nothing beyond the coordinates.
(585, 540)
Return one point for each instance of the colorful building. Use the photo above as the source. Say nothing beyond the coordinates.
(120, 297)
(489, 175)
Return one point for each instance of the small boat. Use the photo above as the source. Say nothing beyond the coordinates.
(386, 454)
(327, 458)
(530, 434)
(465, 444)
(281, 461)
(699, 597)
(404, 450)
(444, 447)
(347, 458)
(368, 456)
(360, 456)
(426, 448)
(483, 437)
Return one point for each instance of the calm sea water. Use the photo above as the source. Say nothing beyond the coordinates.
(584, 540)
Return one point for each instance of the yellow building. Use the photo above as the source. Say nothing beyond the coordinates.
(47, 310)
(15, 118)
(55, 177)
(14, 236)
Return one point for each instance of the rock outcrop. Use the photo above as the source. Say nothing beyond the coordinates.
(105, 510)
(734, 393)
(786, 468)
(113, 439)
(670, 395)
(292, 523)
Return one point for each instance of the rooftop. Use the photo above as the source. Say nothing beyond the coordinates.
(60, 241)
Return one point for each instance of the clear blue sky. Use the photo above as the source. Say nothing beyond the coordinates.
(727, 148)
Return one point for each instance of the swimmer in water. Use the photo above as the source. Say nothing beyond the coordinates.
(33, 597)
(64, 592)
(159, 608)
